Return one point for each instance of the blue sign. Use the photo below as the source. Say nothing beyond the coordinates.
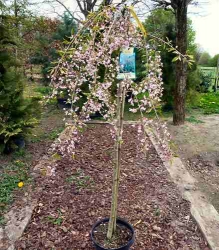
(127, 64)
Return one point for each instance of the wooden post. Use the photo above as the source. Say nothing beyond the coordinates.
(217, 76)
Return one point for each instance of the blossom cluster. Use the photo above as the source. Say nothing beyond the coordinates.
(87, 74)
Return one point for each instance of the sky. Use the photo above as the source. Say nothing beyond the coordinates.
(206, 24)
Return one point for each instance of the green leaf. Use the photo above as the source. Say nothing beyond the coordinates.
(56, 156)
(175, 59)
(140, 25)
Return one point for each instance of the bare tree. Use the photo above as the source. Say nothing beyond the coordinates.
(82, 7)
(72, 14)
(86, 6)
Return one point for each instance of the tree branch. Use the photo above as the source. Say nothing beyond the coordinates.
(69, 12)
(83, 11)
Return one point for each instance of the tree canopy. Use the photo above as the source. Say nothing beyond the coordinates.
(214, 61)
(204, 59)
(161, 23)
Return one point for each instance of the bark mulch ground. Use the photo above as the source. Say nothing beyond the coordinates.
(80, 192)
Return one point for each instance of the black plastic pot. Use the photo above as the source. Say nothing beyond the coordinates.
(95, 115)
(19, 142)
(62, 103)
(120, 222)
(12, 143)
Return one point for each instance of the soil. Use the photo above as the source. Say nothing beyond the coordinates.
(120, 238)
(197, 145)
(79, 194)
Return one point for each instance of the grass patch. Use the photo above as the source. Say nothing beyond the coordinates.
(10, 176)
(80, 180)
(20, 153)
(192, 119)
(56, 220)
(37, 90)
(209, 103)
(29, 90)
(44, 90)
(55, 133)
(46, 136)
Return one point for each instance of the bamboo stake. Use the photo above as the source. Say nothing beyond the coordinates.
(116, 172)
(119, 151)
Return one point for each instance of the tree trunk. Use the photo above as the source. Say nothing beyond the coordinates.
(17, 29)
(31, 72)
(181, 65)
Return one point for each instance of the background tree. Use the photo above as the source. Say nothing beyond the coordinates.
(50, 43)
(204, 59)
(214, 61)
(82, 10)
(22, 25)
(198, 53)
(17, 114)
(161, 24)
(86, 7)
(180, 9)
(41, 27)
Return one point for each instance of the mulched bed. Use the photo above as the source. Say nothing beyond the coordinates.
(80, 192)
(205, 168)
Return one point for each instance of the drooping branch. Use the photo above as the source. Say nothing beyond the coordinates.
(82, 61)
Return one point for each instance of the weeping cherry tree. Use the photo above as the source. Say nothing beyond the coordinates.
(89, 67)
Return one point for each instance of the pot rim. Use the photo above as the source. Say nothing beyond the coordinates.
(119, 221)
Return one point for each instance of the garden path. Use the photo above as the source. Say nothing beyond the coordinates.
(197, 144)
